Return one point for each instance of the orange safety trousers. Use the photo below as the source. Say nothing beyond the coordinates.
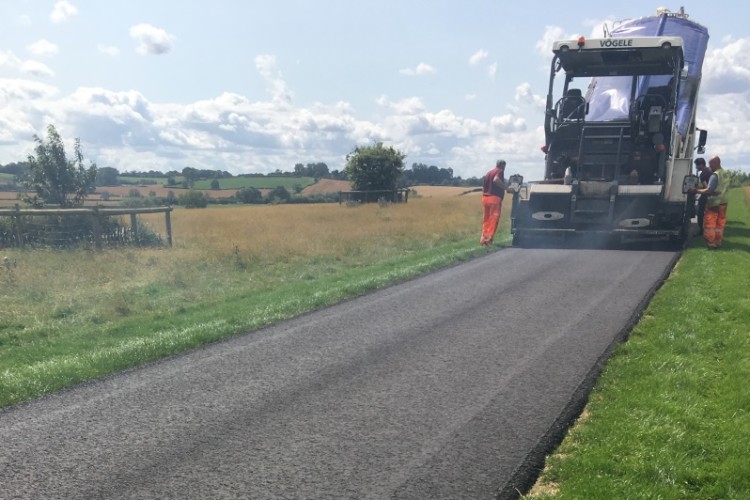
(492, 206)
(714, 220)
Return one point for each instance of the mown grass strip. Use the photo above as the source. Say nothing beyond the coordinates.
(670, 416)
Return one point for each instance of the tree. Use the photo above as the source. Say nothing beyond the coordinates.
(319, 170)
(374, 168)
(422, 174)
(248, 194)
(215, 184)
(190, 174)
(278, 195)
(55, 179)
(193, 199)
(737, 178)
(17, 169)
(106, 176)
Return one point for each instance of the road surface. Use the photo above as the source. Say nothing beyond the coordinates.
(451, 386)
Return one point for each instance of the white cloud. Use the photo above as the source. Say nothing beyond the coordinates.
(408, 106)
(492, 70)
(15, 92)
(478, 57)
(28, 67)
(109, 50)
(42, 48)
(420, 69)
(726, 117)
(727, 69)
(23, 108)
(508, 123)
(524, 95)
(266, 66)
(35, 68)
(230, 132)
(724, 102)
(151, 40)
(551, 34)
(411, 126)
(62, 11)
(9, 59)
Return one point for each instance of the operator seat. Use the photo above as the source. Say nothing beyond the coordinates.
(573, 105)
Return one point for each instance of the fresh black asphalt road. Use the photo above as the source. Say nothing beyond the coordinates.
(449, 386)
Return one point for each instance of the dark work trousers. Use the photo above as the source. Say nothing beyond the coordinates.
(701, 211)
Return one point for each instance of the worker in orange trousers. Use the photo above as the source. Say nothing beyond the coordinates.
(493, 190)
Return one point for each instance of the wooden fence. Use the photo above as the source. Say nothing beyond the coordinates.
(19, 215)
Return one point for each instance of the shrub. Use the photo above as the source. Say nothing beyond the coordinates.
(141, 202)
(279, 195)
(248, 195)
(193, 199)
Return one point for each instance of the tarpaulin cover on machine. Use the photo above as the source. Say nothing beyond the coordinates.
(695, 41)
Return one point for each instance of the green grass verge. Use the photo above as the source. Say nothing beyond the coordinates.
(670, 416)
(59, 359)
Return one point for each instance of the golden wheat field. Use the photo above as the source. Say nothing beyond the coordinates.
(267, 232)
(221, 251)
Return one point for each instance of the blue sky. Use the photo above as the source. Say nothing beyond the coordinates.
(255, 86)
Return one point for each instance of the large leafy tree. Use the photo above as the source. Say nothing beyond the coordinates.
(55, 179)
(374, 168)
(190, 175)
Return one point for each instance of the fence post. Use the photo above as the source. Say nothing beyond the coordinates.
(19, 227)
(97, 229)
(168, 222)
(134, 227)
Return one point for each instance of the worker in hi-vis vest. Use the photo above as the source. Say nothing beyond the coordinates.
(717, 191)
